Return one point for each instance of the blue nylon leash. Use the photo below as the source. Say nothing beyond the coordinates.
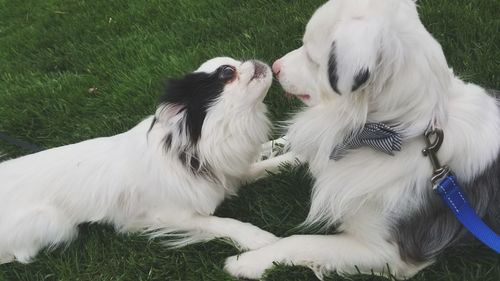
(453, 195)
(446, 185)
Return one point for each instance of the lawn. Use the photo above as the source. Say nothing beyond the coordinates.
(73, 70)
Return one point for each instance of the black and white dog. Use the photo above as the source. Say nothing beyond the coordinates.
(373, 62)
(166, 175)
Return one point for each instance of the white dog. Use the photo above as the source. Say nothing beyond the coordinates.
(166, 176)
(368, 62)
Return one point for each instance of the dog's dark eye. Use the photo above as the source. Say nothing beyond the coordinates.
(227, 73)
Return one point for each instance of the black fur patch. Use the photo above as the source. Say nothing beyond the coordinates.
(194, 93)
(428, 232)
(152, 124)
(360, 79)
(333, 77)
(192, 162)
(168, 141)
(183, 157)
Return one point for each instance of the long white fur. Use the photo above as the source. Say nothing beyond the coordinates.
(412, 86)
(132, 182)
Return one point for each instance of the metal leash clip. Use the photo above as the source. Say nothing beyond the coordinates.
(434, 140)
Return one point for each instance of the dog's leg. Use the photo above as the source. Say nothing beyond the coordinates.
(6, 258)
(246, 236)
(23, 235)
(273, 147)
(198, 228)
(261, 169)
(321, 253)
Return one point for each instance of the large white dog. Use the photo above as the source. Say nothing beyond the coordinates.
(167, 175)
(371, 65)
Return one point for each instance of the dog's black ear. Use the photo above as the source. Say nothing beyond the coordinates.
(194, 89)
(353, 55)
(193, 95)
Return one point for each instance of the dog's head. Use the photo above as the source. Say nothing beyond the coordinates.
(220, 84)
(214, 119)
(350, 47)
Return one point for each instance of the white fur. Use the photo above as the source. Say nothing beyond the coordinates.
(132, 182)
(410, 85)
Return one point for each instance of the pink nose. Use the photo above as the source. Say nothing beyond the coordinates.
(277, 67)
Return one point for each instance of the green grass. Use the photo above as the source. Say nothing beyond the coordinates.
(53, 51)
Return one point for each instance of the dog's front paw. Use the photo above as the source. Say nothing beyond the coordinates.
(5, 258)
(256, 239)
(251, 265)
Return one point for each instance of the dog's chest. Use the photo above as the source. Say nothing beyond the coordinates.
(365, 176)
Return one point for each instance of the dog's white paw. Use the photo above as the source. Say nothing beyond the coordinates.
(251, 265)
(256, 239)
(5, 258)
(273, 148)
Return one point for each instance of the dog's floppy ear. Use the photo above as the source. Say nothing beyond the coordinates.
(353, 55)
(192, 95)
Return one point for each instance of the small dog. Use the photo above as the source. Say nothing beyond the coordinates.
(373, 62)
(166, 176)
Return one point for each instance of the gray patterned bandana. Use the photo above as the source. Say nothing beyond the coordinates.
(378, 136)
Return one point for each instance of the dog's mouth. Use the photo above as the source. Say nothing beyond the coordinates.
(303, 98)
